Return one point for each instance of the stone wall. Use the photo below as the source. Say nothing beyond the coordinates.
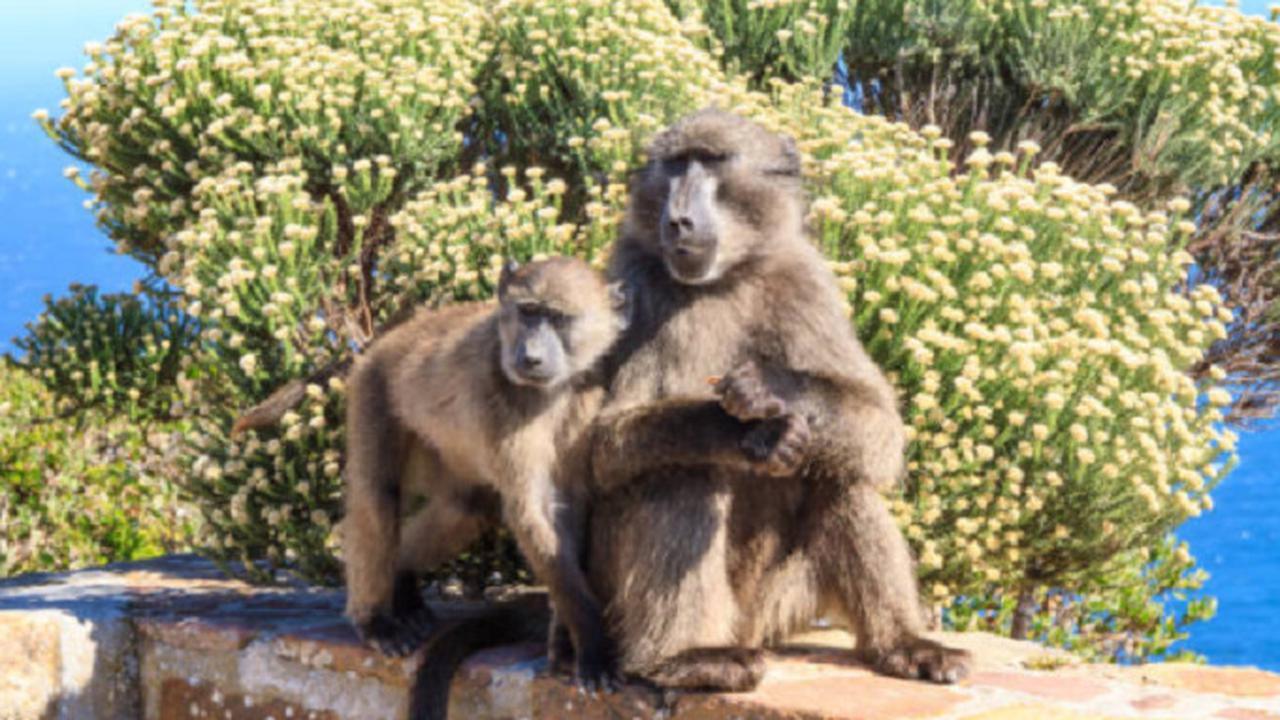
(172, 638)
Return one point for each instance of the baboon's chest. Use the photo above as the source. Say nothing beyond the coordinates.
(706, 338)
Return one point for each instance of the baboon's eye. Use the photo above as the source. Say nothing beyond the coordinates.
(556, 317)
(782, 171)
(679, 164)
(675, 165)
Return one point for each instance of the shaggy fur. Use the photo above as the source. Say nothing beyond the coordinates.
(448, 406)
(726, 518)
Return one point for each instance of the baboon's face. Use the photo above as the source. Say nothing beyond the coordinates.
(719, 188)
(689, 229)
(557, 318)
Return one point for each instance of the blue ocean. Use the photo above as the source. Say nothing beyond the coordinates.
(48, 240)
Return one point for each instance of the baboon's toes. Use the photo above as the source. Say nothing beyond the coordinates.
(596, 671)
(396, 636)
(923, 659)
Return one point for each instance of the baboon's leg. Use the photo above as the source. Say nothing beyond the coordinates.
(865, 569)
(382, 602)
(439, 532)
(559, 645)
(659, 557)
(375, 456)
(547, 527)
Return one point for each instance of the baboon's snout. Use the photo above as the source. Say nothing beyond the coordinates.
(537, 360)
(689, 228)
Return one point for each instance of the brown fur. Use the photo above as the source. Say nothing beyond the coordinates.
(441, 407)
(727, 519)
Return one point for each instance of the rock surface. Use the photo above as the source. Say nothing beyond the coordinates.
(172, 638)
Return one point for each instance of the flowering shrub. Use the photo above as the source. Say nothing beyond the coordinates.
(1037, 331)
(302, 175)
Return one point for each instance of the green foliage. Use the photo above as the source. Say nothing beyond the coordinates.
(280, 166)
(778, 38)
(73, 494)
(112, 352)
(1132, 607)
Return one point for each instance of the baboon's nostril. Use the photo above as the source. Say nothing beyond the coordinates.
(683, 224)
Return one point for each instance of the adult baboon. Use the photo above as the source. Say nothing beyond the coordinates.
(723, 523)
(478, 407)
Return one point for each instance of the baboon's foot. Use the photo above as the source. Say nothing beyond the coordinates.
(744, 394)
(403, 628)
(397, 634)
(720, 669)
(595, 669)
(778, 444)
(918, 658)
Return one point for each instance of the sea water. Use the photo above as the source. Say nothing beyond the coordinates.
(1238, 543)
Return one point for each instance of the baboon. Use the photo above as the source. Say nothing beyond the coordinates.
(483, 407)
(725, 518)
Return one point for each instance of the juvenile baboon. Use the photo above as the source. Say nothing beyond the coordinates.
(725, 521)
(482, 408)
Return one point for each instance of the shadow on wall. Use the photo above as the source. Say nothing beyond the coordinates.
(68, 642)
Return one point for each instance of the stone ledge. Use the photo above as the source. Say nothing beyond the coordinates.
(172, 638)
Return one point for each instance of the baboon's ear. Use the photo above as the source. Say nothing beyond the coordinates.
(620, 299)
(509, 269)
(789, 158)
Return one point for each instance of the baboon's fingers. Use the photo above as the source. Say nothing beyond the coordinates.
(722, 669)
(779, 444)
(747, 398)
(772, 407)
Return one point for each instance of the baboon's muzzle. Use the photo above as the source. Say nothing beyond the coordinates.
(689, 224)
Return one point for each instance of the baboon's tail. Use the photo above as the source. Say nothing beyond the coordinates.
(521, 620)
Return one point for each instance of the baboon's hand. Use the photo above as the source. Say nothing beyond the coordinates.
(778, 444)
(744, 394)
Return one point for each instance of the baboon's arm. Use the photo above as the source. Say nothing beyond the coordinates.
(680, 431)
(548, 527)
